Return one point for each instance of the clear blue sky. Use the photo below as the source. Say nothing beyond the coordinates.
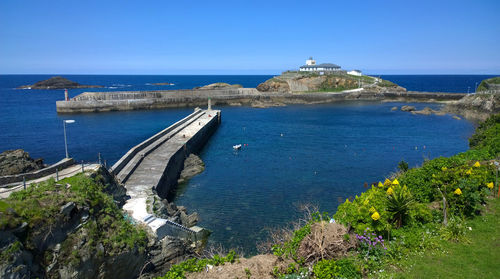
(248, 37)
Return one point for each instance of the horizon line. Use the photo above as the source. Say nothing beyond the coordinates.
(152, 74)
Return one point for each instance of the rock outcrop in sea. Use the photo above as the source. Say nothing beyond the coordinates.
(57, 83)
(193, 165)
(218, 85)
(18, 161)
(480, 105)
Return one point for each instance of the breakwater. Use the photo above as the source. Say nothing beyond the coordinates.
(153, 167)
(138, 100)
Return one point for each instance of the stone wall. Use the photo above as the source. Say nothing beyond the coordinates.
(137, 100)
(7, 179)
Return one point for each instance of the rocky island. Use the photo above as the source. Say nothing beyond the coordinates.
(57, 83)
(297, 82)
(162, 83)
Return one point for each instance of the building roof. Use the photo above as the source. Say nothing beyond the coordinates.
(324, 65)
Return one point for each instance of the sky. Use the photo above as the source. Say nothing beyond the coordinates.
(248, 37)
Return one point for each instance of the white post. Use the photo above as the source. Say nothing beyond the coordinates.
(65, 142)
(209, 104)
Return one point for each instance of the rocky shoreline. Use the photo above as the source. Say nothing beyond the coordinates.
(18, 161)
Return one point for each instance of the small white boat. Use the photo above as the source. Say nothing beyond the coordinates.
(237, 147)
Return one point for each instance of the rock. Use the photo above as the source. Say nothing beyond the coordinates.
(170, 249)
(162, 83)
(267, 104)
(394, 108)
(477, 106)
(17, 261)
(218, 85)
(274, 85)
(193, 165)
(425, 111)
(57, 83)
(182, 208)
(407, 108)
(18, 161)
(67, 208)
(189, 220)
(428, 111)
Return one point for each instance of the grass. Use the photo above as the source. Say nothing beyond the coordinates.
(477, 258)
(39, 206)
(483, 85)
(386, 83)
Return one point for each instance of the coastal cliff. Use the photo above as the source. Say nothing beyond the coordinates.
(74, 228)
(482, 104)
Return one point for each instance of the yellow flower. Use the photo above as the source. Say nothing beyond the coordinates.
(469, 172)
(395, 182)
(380, 184)
(444, 168)
(375, 216)
(390, 191)
(387, 182)
(490, 185)
(458, 191)
(372, 209)
(477, 164)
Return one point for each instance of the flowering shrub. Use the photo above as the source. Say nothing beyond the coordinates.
(371, 243)
(367, 210)
(371, 248)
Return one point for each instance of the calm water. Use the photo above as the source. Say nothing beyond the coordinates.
(295, 154)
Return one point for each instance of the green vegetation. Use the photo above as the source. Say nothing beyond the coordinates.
(477, 257)
(40, 207)
(425, 208)
(386, 83)
(432, 221)
(178, 271)
(288, 249)
(483, 86)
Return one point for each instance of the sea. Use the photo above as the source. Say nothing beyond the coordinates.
(291, 156)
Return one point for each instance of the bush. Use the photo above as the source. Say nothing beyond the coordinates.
(398, 205)
(326, 269)
(455, 230)
(178, 271)
(347, 269)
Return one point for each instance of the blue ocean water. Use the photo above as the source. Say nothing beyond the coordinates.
(320, 154)
(438, 83)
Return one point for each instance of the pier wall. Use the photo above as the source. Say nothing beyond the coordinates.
(124, 160)
(137, 100)
(176, 162)
(7, 179)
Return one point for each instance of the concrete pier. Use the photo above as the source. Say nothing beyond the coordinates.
(137, 100)
(154, 165)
